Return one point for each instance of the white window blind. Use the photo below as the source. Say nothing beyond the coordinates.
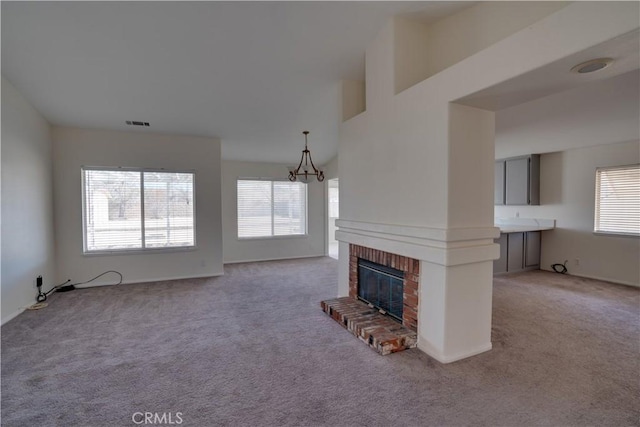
(136, 210)
(271, 208)
(617, 207)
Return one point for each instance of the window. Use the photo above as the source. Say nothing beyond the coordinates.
(334, 198)
(268, 208)
(128, 209)
(618, 200)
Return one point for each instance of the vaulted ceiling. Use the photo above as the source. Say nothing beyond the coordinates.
(255, 74)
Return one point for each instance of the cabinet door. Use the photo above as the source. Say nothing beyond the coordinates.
(500, 265)
(532, 252)
(498, 189)
(517, 181)
(515, 255)
(534, 179)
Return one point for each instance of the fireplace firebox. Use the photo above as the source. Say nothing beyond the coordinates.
(409, 269)
(382, 287)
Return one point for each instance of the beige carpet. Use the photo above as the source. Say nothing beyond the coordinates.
(253, 348)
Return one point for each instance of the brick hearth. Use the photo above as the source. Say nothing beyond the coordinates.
(380, 332)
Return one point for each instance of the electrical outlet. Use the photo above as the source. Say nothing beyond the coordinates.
(576, 261)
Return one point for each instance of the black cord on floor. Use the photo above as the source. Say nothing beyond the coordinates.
(42, 296)
(100, 275)
(63, 287)
(560, 268)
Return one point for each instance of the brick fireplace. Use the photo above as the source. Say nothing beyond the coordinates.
(409, 266)
(453, 266)
(381, 332)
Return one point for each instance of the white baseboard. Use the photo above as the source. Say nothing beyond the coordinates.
(436, 354)
(603, 279)
(159, 279)
(273, 259)
(12, 316)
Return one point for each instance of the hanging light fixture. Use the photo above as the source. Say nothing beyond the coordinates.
(306, 170)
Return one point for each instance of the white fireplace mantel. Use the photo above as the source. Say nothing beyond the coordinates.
(449, 247)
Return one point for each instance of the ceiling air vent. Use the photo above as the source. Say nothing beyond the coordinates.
(135, 123)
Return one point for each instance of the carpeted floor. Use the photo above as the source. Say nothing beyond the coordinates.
(253, 348)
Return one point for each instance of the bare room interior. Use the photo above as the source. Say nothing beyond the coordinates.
(320, 213)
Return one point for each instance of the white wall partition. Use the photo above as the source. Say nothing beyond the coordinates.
(419, 179)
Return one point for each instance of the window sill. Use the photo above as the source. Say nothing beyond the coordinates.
(291, 236)
(149, 251)
(612, 234)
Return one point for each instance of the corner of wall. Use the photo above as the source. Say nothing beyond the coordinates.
(331, 169)
(27, 202)
(410, 53)
(354, 99)
(74, 148)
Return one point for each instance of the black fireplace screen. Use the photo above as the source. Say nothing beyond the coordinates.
(381, 286)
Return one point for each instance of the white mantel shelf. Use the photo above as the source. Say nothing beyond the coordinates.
(449, 247)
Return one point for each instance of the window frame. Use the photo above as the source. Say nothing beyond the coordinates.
(272, 236)
(143, 249)
(596, 200)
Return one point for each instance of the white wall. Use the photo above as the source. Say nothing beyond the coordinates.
(422, 50)
(471, 155)
(587, 127)
(467, 32)
(27, 203)
(74, 148)
(236, 250)
(592, 114)
(353, 98)
(411, 54)
(330, 169)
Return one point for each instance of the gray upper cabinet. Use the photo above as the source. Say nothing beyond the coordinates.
(517, 182)
(520, 182)
(498, 192)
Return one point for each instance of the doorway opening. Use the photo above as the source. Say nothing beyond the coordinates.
(333, 214)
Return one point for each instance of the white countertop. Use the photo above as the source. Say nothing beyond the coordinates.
(519, 225)
(521, 228)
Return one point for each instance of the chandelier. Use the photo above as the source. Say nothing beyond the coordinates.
(306, 170)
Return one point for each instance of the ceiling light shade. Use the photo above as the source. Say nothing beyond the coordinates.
(306, 170)
(592, 65)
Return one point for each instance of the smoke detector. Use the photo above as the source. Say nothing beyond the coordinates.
(592, 65)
